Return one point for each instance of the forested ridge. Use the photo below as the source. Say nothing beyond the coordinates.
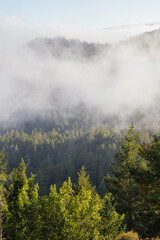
(59, 146)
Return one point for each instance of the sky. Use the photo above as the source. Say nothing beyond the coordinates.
(88, 14)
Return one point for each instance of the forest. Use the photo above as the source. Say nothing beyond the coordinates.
(70, 178)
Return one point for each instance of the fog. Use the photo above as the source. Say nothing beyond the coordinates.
(120, 80)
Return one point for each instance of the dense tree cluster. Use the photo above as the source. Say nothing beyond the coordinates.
(72, 212)
(57, 147)
(57, 154)
(135, 184)
(59, 207)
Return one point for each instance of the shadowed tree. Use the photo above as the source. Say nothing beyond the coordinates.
(122, 184)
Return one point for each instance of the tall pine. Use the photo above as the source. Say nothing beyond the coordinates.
(148, 179)
(20, 217)
(122, 184)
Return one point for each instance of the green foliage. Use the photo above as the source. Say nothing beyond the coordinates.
(3, 175)
(57, 148)
(149, 176)
(148, 180)
(83, 182)
(79, 213)
(111, 220)
(20, 216)
(57, 154)
(60, 144)
(122, 184)
(70, 213)
(76, 211)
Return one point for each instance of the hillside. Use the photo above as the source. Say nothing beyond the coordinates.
(57, 128)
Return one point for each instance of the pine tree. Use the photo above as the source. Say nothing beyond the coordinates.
(78, 213)
(20, 218)
(111, 221)
(122, 184)
(147, 177)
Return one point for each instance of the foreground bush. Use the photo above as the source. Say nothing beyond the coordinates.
(128, 236)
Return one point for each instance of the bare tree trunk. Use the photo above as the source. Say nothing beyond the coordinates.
(0, 219)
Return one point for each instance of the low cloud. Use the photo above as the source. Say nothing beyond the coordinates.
(120, 80)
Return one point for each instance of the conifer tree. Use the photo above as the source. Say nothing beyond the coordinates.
(20, 218)
(122, 184)
(147, 177)
(78, 213)
(111, 221)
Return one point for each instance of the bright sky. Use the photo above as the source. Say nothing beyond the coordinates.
(91, 14)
